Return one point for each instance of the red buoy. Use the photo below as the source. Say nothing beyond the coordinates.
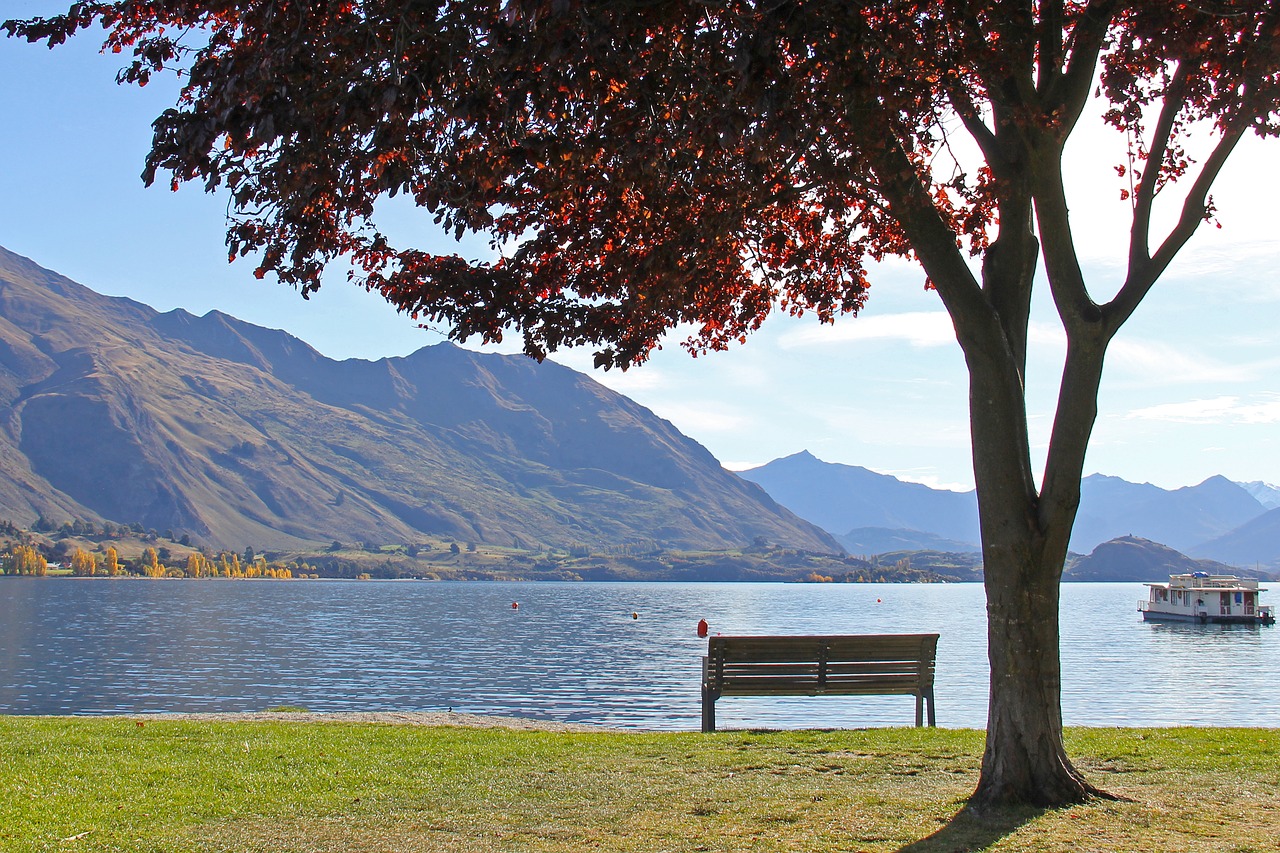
(515, 605)
(702, 627)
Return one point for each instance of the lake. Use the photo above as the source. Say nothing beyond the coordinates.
(574, 652)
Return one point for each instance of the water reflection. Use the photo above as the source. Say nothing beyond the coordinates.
(573, 652)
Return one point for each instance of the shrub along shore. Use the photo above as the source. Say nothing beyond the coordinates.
(296, 784)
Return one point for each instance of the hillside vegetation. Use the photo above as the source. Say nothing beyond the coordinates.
(69, 549)
(233, 435)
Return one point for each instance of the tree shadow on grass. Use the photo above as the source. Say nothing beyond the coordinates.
(968, 831)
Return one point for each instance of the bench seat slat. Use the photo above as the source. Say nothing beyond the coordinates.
(772, 686)
(808, 672)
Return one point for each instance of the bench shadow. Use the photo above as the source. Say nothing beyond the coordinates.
(968, 831)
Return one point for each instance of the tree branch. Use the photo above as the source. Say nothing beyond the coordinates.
(1140, 233)
(1062, 263)
(1073, 422)
(1051, 52)
(934, 242)
(1067, 93)
(1141, 279)
(970, 117)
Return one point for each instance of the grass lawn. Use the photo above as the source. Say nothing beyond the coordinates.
(109, 784)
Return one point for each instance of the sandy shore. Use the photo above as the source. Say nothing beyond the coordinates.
(399, 718)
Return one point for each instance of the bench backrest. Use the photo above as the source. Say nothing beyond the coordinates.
(848, 664)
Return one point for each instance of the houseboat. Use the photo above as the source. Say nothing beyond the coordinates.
(1202, 597)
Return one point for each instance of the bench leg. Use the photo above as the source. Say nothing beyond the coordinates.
(933, 721)
(708, 710)
(919, 710)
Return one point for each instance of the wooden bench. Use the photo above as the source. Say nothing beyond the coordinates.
(850, 665)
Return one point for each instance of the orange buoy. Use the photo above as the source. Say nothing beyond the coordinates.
(635, 615)
(702, 627)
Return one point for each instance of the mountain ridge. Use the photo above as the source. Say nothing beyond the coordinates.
(242, 435)
(1216, 519)
(841, 498)
(1134, 559)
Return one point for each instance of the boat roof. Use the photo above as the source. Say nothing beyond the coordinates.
(1205, 582)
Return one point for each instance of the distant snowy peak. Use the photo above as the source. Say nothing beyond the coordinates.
(1265, 493)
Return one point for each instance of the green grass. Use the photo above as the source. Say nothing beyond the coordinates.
(110, 785)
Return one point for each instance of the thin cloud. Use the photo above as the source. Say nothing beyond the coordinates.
(692, 419)
(930, 478)
(1218, 410)
(917, 328)
(1166, 364)
(1246, 262)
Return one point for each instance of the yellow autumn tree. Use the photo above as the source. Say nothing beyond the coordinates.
(151, 564)
(83, 564)
(111, 563)
(229, 565)
(26, 560)
(198, 566)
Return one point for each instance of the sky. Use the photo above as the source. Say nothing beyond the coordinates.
(1191, 387)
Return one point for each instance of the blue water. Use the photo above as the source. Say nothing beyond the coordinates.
(573, 652)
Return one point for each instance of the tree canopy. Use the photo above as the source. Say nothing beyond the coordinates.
(641, 165)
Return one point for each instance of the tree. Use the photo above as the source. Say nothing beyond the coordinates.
(641, 165)
(26, 560)
(198, 566)
(112, 562)
(83, 564)
(150, 563)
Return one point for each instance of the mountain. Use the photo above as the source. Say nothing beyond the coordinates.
(1267, 494)
(871, 513)
(842, 498)
(239, 435)
(1182, 518)
(1134, 559)
(880, 540)
(1255, 543)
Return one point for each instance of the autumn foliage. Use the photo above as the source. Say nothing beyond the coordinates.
(25, 560)
(640, 165)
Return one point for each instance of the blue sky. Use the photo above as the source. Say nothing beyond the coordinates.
(1191, 388)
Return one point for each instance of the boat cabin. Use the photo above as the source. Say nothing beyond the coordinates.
(1202, 597)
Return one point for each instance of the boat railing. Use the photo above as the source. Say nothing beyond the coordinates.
(1216, 583)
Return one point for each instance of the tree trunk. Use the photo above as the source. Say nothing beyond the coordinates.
(1025, 534)
(1025, 761)
(1025, 529)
